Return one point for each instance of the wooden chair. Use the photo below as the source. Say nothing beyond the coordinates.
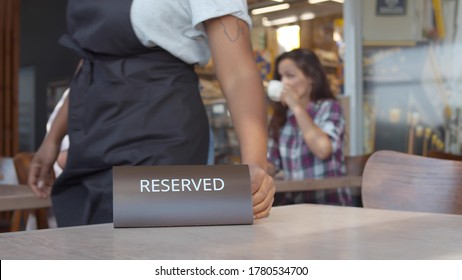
(398, 181)
(352, 180)
(317, 184)
(355, 167)
(22, 162)
(443, 155)
(355, 164)
(7, 177)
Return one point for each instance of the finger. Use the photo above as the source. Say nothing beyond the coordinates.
(44, 181)
(47, 186)
(46, 191)
(263, 189)
(283, 98)
(263, 199)
(264, 205)
(257, 176)
(265, 213)
(32, 179)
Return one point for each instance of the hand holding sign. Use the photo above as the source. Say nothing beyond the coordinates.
(263, 190)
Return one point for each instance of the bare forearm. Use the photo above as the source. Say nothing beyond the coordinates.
(229, 40)
(315, 138)
(241, 84)
(248, 112)
(59, 127)
(272, 170)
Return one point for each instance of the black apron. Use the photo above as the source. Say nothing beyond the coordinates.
(128, 105)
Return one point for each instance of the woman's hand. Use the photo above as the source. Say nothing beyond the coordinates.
(263, 190)
(290, 98)
(316, 139)
(41, 176)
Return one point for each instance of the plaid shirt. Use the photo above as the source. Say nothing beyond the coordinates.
(292, 155)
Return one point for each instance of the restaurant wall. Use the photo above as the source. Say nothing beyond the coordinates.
(42, 23)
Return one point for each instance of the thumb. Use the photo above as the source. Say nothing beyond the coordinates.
(44, 177)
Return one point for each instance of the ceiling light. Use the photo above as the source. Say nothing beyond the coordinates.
(320, 1)
(280, 1)
(279, 21)
(307, 16)
(270, 9)
(316, 1)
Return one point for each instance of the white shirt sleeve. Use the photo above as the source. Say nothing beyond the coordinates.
(202, 10)
(177, 25)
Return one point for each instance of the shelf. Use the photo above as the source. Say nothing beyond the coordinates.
(330, 64)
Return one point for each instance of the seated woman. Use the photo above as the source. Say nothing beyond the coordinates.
(306, 129)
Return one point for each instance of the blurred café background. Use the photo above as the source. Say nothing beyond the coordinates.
(394, 64)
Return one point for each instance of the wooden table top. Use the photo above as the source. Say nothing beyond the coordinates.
(18, 197)
(301, 231)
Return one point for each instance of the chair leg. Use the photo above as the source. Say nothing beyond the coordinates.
(42, 218)
(16, 220)
(5, 221)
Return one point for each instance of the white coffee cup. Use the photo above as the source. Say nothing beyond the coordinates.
(274, 90)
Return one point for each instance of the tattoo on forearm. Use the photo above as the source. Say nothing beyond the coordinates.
(238, 33)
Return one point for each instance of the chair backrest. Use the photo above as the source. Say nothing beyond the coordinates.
(355, 164)
(443, 155)
(354, 170)
(398, 181)
(22, 162)
(355, 167)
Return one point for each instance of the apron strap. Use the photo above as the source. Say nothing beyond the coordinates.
(87, 57)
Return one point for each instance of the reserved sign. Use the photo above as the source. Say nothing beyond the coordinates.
(181, 195)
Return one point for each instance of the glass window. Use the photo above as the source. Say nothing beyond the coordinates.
(412, 75)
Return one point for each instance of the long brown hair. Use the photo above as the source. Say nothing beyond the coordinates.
(308, 62)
